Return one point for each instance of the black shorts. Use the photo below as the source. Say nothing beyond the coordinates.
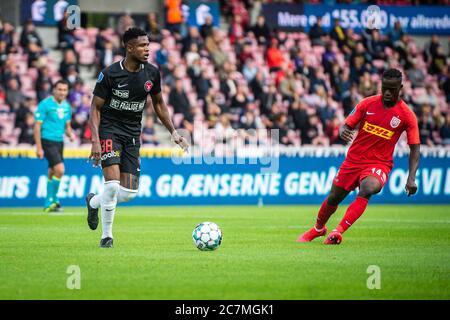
(121, 150)
(53, 152)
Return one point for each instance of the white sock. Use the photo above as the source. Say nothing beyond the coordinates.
(108, 204)
(95, 201)
(126, 195)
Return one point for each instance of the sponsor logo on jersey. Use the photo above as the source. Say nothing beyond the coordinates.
(112, 154)
(148, 86)
(60, 112)
(378, 131)
(135, 106)
(121, 93)
(395, 122)
(100, 77)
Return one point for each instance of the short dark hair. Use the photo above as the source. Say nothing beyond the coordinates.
(392, 74)
(60, 81)
(132, 33)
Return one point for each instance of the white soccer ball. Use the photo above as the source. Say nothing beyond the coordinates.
(207, 236)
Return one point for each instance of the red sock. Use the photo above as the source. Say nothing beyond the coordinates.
(325, 213)
(354, 211)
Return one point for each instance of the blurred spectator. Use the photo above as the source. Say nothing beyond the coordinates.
(401, 46)
(7, 34)
(337, 33)
(43, 83)
(313, 135)
(178, 98)
(174, 16)
(3, 53)
(416, 75)
(444, 131)
(236, 30)
(250, 70)
(162, 55)
(281, 124)
(316, 33)
(238, 104)
(69, 60)
(367, 87)
(192, 37)
(376, 46)
(275, 57)
(148, 133)
(431, 48)
(25, 108)
(152, 27)
(213, 45)
(126, 22)
(106, 56)
(223, 130)
(76, 94)
(66, 35)
(27, 130)
(14, 96)
(438, 62)
(202, 84)
(207, 28)
(332, 131)
(329, 58)
(261, 30)
(426, 126)
(35, 52)
(246, 51)
(192, 55)
(288, 85)
(29, 35)
(395, 34)
(72, 76)
(81, 114)
(446, 85)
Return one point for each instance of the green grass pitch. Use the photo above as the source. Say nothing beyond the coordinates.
(154, 256)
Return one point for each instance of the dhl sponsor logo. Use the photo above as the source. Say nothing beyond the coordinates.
(378, 131)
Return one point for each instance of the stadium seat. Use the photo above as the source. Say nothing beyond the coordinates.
(87, 56)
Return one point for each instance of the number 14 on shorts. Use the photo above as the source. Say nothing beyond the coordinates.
(380, 173)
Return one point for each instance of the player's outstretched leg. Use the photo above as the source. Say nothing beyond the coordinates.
(329, 206)
(369, 186)
(108, 205)
(354, 211)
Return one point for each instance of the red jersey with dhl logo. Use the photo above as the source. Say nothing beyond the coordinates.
(379, 130)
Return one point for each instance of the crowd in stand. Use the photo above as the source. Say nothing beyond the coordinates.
(246, 77)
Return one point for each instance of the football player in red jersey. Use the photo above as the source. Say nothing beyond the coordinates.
(382, 119)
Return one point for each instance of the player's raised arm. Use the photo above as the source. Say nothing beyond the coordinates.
(163, 114)
(94, 123)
